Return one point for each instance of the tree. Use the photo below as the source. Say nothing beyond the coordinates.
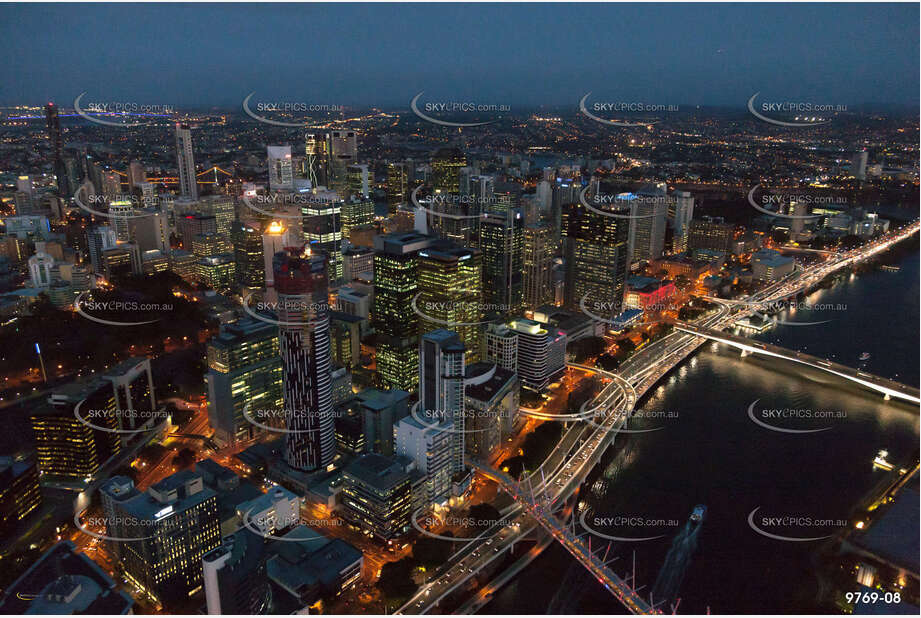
(430, 552)
(396, 580)
(484, 515)
(608, 362)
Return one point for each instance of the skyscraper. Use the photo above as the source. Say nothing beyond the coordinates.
(322, 230)
(172, 526)
(343, 151)
(441, 387)
(249, 267)
(501, 244)
(597, 258)
(396, 282)
(446, 166)
(53, 124)
(281, 168)
(397, 186)
(647, 231)
(185, 161)
(316, 160)
(684, 214)
(450, 294)
(301, 279)
(244, 368)
(537, 263)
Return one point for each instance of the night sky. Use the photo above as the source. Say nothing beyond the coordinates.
(517, 54)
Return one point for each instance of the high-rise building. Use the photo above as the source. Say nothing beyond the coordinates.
(301, 280)
(859, 165)
(397, 186)
(501, 346)
(441, 387)
(597, 258)
(684, 214)
(222, 208)
(343, 151)
(356, 212)
(711, 234)
(250, 267)
(380, 412)
(244, 368)
(40, 267)
(99, 238)
(19, 492)
(450, 294)
(322, 229)
(446, 166)
(136, 175)
(492, 398)
(377, 496)
(235, 577)
(171, 526)
(537, 265)
(53, 125)
(276, 238)
(150, 230)
(649, 210)
(316, 159)
(396, 283)
(357, 261)
(565, 191)
(133, 388)
(185, 161)
(359, 181)
(431, 449)
(541, 353)
(67, 448)
(501, 244)
(281, 168)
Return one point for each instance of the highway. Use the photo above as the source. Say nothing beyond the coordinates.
(568, 465)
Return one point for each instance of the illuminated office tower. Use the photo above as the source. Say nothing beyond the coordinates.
(711, 234)
(172, 526)
(121, 211)
(40, 267)
(859, 165)
(359, 180)
(19, 492)
(647, 231)
(541, 353)
(441, 387)
(111, 184)
(136, 175)
(248, 255)
(450, 294)
(222, 208)
(150, 230)
(301, 280)
(276, 238)
(53, 125)
(211, 243)
(281, 168)
(343, 151)
(65, 447)
(357, 261)
(316, 159)
(99, 238)
(597, 257)
(356, 211)
(537, 262)
(446, 166)
(397, 186)
(244, 368)
(133, 387)
(185, 161)
(396, 283)
(564, 191)
(684, 214)
(501, 244)
(322, 230)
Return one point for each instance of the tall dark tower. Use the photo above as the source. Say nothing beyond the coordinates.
(301, 281)
(53, 123)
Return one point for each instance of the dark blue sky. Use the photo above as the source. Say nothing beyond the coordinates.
(524, 54)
